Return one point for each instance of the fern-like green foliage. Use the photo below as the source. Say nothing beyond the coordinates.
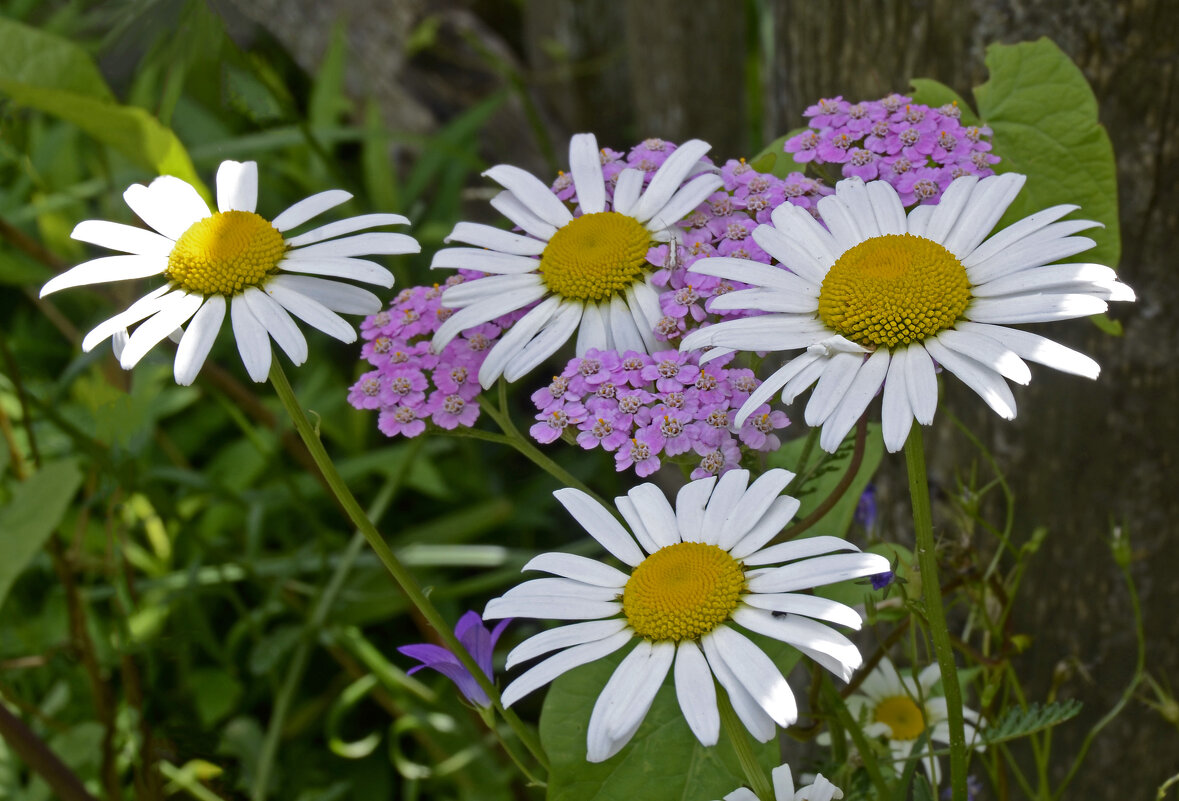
(1018, 722)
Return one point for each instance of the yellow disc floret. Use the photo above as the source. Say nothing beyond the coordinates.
(682, 592)
(902, 715)
(595, 257)
(225, 253)
(893, 290)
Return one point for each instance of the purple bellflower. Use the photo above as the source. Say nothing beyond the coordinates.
(480, 644)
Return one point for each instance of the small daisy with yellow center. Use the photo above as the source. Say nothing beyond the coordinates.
(233, 259)
(587, 272)
(878, 298)
(821, 789)
(697, 572)
(902, 708)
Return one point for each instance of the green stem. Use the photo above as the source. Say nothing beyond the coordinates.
(835, 701)
(934, 611)
(398, 571)
(739, 737)
(489, 719)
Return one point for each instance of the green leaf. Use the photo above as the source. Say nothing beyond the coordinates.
(1017, 722)
(935, 94)
(663, 760)
(215, 694)
(43, 61)
(1044, 116)
(63, 80)
(32, 513)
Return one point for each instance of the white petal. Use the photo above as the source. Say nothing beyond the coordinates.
(795, 603)
(759, 724)
(515, 338)
(497, 239)
(310, 207)
(1053, 278)
(627, 187)
(988, 384)
(585, 164)
(311, 312)
(844, 227)
(485, 261)
(623, 328)
(755, 273)
(776, 381)
(823, 644)
(756, 501)
(886, 203)
(551, 607)
(855, 400)
(370, 244)
(171, 316)
(768, 300)
(593, 332)
(581, 568)
(642, 320)
(1036, 348)
(687, 198)
(656, 514)
(348, 226)
(564, 588)
(198, 340)
(668, 178)
(253, 343)
(689, 508)
(770, 525)
(949, 208)
(696, 692)
(725, 496)
(801, 381)
(168, 204)
(817, 571)
(757, 673)
(919, 220)
(804, 548)
(630, 513)
(125, 238)
(783, 783)
(837, 377)
(896, 415)
(356, 269)
(600, 524)
(533, 194)
(806, 230)
(108, 268)
(626, 716)
(810, 259)
(277, 323)
(991, 197)
(646, 298)
(622, 704)
(147, 305)
(1034, 308)
(987, 352)
(763, 332)
(921, 382)
(237, 186)
(854, 195)
(541, 674)
(475, 290)
(563, 637)
(1016, 232)
(1038, 249)
(509, 206)
(478, 313)
(337, 296)
(546, 343)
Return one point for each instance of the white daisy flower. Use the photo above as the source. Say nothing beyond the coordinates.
(696, 572)
(235, 259)
(877, 298)
(902, 708)
(821, 789)
(589, 272)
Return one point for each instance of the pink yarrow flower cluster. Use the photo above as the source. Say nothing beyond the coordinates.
(410, 385)
(916, 148)
(648, 408)
(721, 226)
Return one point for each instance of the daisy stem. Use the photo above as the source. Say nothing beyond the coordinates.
(397, 570)
(739, 737)
(935, 613)
(488, 717)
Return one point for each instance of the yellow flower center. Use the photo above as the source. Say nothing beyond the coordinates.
(595, 256)
(892, 290)
(901, 714)
(225, 253)
(682, 592)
